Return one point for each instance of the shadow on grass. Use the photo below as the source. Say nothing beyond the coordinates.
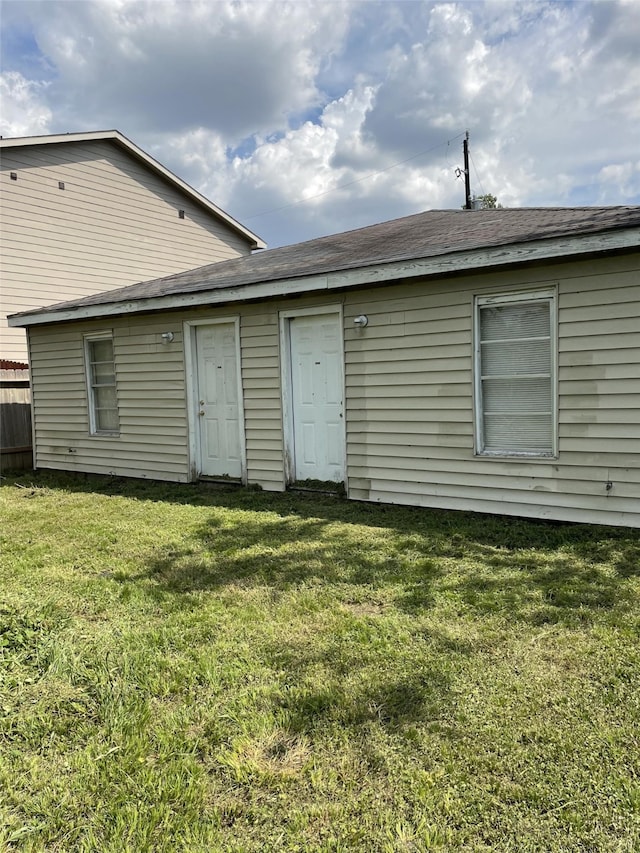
(533, 571)
(281, 552)
(537, 571)
(415, 560)
(351, 682)
(419, 697)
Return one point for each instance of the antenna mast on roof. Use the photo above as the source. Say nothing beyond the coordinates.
(468, 204)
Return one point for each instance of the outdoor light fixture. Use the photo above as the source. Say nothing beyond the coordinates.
(167, 337)
(361, 321)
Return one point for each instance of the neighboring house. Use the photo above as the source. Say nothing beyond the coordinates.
(474, 360)
(89, 212)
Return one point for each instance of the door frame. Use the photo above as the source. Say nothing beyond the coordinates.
(191, 385)
(286, 378)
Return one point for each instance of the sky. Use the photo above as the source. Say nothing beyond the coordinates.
(307, 118)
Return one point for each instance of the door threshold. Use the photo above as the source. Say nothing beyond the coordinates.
(220, 481)
(318, 487)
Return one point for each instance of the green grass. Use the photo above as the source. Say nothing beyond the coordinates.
(189, 669)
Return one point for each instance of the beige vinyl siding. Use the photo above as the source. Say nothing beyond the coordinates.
(115, 223)
(259, 336)
(153, 437)
(154, 431)
(262, 385)
(410, 416)
(599, 372)
(409, 396)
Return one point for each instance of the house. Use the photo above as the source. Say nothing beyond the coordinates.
(89, 212)
(475, 360)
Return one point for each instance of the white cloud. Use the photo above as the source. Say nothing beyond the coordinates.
(301, 165)
(234, 67)
(24, 109)
(619, 180)
(199, 155)
(263, 104)
(333, 166)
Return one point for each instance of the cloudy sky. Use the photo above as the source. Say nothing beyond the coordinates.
(306, 118)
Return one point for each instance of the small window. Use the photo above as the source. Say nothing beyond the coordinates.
(101, 385)
(515, 357)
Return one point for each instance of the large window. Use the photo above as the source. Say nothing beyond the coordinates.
(515, 358)
(101, 384)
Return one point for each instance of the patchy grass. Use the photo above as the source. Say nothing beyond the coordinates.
(187, 669)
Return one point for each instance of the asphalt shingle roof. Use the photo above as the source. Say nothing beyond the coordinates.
(421, 236)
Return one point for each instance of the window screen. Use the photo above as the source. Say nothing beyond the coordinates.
(515, 364)
(101, 376)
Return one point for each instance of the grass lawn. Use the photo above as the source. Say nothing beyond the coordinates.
(189, 669)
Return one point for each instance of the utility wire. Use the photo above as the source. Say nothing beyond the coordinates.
(356, 181)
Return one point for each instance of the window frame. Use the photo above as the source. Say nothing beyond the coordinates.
(550, 296)
(90, 339)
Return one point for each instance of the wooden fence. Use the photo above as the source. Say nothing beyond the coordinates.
(16, 452)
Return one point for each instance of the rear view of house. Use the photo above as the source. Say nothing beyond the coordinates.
(90, 212)
(476, 360)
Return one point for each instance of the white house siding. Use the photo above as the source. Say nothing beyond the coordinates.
(114, 223)
(410, 397)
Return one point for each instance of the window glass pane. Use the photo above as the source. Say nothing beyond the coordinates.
(518, 433)
(101, 350)
(105, 397)
(516, 395)
(513, 358)
(107, 419)
(514, 321)
(103, 373)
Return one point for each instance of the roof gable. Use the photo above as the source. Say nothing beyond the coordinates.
(121, 141)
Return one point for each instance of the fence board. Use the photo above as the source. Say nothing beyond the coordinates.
(15, 420)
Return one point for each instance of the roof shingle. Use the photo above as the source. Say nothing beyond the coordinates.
(420, 236)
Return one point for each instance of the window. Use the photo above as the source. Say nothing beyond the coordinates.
(101, 384)
(515, 356)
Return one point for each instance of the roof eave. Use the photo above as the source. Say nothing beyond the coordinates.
(454, 262)
(121, 140)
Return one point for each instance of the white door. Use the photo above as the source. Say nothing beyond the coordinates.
(218, 411)
(317, 390)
